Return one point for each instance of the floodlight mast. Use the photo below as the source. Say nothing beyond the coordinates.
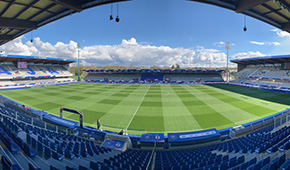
(79, 48)
(227, 48)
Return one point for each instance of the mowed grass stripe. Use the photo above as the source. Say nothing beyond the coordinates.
(269, 96)
(231, 112)
(103, 104)
(119, 115)
(261, 102)
(202, 113)
(176, 116)
(74, 102)
(79, 101)
(28, 98)
(149, 115)
(238, 103)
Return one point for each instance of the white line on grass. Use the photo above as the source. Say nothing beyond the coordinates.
(137, 108)
(167, 94)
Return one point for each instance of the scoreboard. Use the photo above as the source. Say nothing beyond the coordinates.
(22, 65)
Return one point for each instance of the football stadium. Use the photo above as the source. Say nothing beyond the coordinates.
(141, 118)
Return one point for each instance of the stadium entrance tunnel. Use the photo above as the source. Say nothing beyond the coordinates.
(72, 111)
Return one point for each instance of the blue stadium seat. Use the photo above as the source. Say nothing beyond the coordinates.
(83, 168)
(51, 71)
(9, 143)
(47, 151)
(281, 160)
(32, 167)
(57, 156)
(69, 168)
(53, 168)
(94, 165)
(7, 165)
(224, 165)
(53, 146)
(40, 146)
(266, 167)
(34, 142)
(252, 167)
(69, 154)
(266, 161)
(232, 162)
(285, 166)
(60, 150)
(241, 159)
(4, 71)
(29, 151)
(31, 71)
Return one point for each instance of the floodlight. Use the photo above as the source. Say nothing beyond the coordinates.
(245, 28)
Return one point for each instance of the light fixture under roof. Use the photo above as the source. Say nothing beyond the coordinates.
(117, 18)
(245, 24)
(282, 5)
(111, 16)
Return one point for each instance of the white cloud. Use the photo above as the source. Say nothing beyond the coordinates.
(249, 54)
(209, 58)
(222, 44)
(257, 43)
(129, 52)
(265, 43)
(274, 43)
(219, 44)
(282, 34)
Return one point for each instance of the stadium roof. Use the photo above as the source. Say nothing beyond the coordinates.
(34, 59)
(18, 17)
(264, 60)
(273, 12)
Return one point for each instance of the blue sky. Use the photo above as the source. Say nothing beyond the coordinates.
(160, 23)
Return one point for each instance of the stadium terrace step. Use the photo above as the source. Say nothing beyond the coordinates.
(6, 164)
(57, 156)
(9, 143)
(32, 167)
(285, 165)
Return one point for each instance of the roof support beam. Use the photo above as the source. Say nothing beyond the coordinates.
(6, 37)
(286, 27)
(25, 8)
(7, 7)
(75, 5)
(17, 23)
(41, 11)
(244, 5)
(275, 11)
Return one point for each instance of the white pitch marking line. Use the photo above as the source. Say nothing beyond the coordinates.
(167, 94)
(137, 108)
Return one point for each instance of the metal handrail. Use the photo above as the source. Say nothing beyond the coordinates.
(151, 157)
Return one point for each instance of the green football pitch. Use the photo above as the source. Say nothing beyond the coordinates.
(155, 108)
